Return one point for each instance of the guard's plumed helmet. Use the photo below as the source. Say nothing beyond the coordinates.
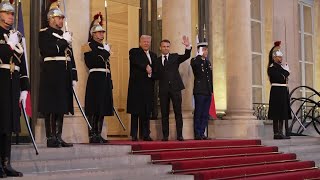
(6, 6)
(276, 52)
(54, 10)
(96, 24)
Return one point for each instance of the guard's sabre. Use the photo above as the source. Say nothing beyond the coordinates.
(65, 16)
(106, 14)
(82, 112)
(285, 38)
(115, 111)
(29, 128)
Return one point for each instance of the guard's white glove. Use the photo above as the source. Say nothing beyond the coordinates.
(200, 51)
(67, 36)
(13, 40)
(23, 98)
(285, 67)
(106, 47)
(74, 83)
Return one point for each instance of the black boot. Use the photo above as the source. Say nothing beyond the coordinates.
(50, 126)
(100, 120)
(2, 150)
(276, 134)
(281, 130)
(93, 132)
(59, 123)
(2, 173)
(5, 159)
(286, 127)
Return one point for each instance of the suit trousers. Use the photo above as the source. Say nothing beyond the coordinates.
(176, 99)
(201, 114)
(144, 125)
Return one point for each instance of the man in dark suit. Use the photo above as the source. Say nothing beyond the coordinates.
(170, 85)
(140, 90)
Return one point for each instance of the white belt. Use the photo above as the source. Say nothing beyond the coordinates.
(57, 58)
(7, 66)
(278, 84)
(99, 70)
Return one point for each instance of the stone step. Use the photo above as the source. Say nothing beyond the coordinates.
(300, 149)
(116, 173)
(26, 152)
(294, 141)
(40, 166)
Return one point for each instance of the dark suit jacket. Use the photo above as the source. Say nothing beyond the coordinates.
(168, 75)
(140, 89)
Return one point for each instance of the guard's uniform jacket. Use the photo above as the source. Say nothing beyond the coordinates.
(13, 79)
(279, 105)
(58, 69)
(202, 71)
(98, 100)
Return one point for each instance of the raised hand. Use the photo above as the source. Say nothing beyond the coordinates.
(185, 41)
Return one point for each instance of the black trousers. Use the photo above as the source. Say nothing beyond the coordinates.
(144, 125)
(176, 99)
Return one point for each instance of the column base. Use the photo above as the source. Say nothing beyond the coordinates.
(236, 129)
(187, 130)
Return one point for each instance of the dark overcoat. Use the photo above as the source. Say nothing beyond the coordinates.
(10, 86)
(55, 92)
(99, 99)
(279, 105)
(140, 88)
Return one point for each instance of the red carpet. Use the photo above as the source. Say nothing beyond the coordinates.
(226, 159)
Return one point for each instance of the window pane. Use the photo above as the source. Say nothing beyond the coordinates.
(256, 36)
(255, 9)
(257, 95)
(307, 17)
(309, 75)
(256, 70)
(301, 72)
(308, 51)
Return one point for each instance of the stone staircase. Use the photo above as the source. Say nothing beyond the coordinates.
(83, 162)
(305, 147)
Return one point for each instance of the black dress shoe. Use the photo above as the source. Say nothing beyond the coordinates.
(102, 140)
(277, 136)
(147, 138)
(94, 139)
(180, 138)
(9, 171)
(134, 138)
(198, 138)
(165, 139)
(64, 144)
(52, 142)
(205, 138)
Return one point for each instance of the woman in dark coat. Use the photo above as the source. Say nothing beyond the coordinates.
(98, 100)
(279, 106)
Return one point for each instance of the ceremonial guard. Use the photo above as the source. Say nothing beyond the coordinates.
(58, 75)
(279, 105)
(98, 100)
(202, 90)
(14, 85)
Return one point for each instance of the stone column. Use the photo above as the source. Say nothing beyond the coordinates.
(239, 122)
(78, 17)
(176, 22)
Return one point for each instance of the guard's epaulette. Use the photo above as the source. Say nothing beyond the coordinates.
(271, 65)
(43, 29)
(86, 48)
